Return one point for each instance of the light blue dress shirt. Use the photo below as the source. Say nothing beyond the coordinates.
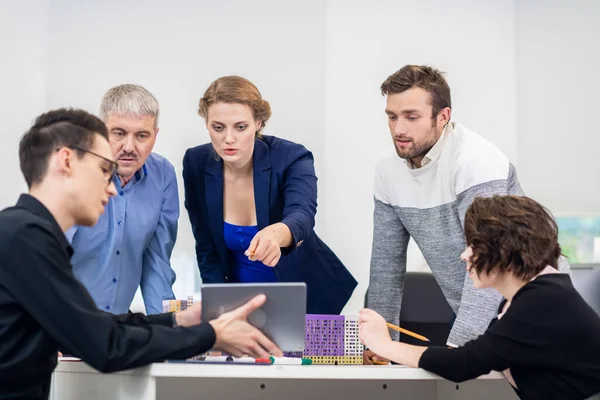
(131, 244)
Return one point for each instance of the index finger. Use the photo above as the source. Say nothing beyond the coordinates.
(261, 251)
(268, 345)
(364, 318)
(253, 304)
(253, 245)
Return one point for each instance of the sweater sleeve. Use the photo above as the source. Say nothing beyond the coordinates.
(388, 258)
(475, 358)
(524, 336)
(388, 264)
(478, 307)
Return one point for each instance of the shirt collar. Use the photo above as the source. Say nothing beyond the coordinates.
(436, 150)
(32, 204)
(138, 176)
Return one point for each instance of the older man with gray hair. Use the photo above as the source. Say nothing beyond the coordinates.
(131, 244)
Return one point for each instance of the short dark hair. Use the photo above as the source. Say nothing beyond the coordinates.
(52, 130)
(511, 234)
(427, 78)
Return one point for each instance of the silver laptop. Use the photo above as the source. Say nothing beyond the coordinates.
(281, 318)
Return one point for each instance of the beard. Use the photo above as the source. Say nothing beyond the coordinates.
(420, 148)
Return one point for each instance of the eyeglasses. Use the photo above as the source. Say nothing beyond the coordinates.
(110, 174)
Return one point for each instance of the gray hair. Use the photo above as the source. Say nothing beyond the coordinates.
(129, 99)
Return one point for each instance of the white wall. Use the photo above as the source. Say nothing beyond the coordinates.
(320, 64)
(558, 81)
(23, 68)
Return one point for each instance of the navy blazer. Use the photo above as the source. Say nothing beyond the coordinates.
(285, 190)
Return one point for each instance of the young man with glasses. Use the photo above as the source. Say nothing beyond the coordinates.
(109, 168)
(131, 244)
(66, 161)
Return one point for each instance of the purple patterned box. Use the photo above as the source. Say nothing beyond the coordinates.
(324, 335)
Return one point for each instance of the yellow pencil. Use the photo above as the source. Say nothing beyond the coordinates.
(407, 332)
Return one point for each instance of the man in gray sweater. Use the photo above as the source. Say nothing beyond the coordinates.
(422, 190)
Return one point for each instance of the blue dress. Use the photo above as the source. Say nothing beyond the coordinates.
(237, 239)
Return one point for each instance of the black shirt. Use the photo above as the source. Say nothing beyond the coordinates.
(549, 338)
(43, 306)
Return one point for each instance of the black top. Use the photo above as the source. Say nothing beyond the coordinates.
(549, 338)
(43, 306)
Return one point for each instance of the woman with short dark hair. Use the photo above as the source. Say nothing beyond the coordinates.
(546, 338)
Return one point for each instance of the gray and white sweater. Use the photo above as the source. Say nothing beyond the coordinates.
(429, 205)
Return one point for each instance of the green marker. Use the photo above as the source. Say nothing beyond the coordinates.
(290, 361)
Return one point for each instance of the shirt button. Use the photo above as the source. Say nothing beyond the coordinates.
(118, 252)
(107, 307)
(241, 240)
(114, 280)
(239, 229)
(118, 222)
(121, 193)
